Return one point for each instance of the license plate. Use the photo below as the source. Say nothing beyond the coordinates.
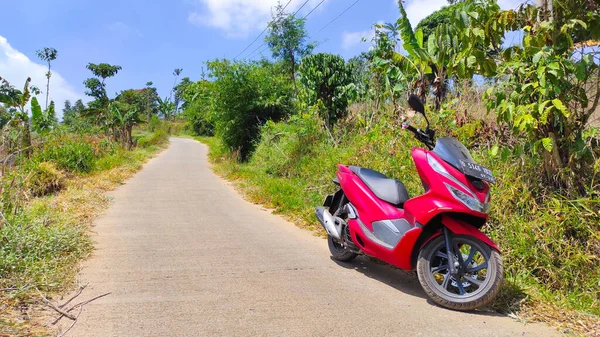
(477, 171)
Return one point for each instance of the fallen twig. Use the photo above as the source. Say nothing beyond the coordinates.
(78, 305)
(57, 309)
(9, 289)
(72, 298)
(72, 324)
(88, 301)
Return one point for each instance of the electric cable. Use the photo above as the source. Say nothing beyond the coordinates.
(264, 30)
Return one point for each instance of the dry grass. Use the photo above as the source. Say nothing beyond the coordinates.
(81, 201)
(292, 196)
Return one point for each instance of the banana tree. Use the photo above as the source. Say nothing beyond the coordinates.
(166, 107)
(442, 47)
(418, 58)
(122, 121)
(18, 99)
(42, 121)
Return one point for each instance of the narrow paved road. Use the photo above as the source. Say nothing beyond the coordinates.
(184, 255)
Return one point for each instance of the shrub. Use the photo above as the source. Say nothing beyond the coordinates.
(73, 155)
(158, 137)
(328, 79)
(43, 178)
(154, 123)
(247, 95)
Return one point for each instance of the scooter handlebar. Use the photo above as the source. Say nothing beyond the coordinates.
(420, 135)
(409, 127)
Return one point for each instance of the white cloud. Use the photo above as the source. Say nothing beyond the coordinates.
(124, 30)
(239, 18)
(15, 67)
(353, 39)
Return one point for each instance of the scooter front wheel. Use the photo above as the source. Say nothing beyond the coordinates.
(339, 252)
(477, 277)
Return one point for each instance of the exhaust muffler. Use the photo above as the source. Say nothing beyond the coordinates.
(328, 222)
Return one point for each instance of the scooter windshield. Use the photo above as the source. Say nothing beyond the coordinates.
(453, 152)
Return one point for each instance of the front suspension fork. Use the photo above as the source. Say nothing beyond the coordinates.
(449, 252)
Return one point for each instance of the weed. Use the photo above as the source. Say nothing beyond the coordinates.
(550, 243)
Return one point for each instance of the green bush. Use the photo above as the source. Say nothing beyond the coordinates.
(247, 95)
(154, 123)
(70, 154)
(327, 78)
(158, 137)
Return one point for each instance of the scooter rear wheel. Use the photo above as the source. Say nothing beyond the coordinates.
(338, 252)
(479, 276)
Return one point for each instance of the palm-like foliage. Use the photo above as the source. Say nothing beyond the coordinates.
(18, 99)
(121, 121)
(42, 121)
(166, 107)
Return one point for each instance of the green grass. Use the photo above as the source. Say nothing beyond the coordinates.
(42, 239)
(550, 244)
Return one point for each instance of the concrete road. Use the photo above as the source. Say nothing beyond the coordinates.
(184, 255)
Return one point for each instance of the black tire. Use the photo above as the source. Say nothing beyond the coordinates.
(338, 252)
(453, 294)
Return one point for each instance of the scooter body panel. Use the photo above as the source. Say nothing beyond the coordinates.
(390, 234)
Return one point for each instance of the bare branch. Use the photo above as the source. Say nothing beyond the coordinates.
(72, 298)
(78, 305)
(73, 324)
(57, 309)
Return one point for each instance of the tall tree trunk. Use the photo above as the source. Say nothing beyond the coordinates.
(545, 11)
(48, 85)
(294, 71)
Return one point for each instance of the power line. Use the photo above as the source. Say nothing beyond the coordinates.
(296, 12)
(320, 30)
(254, 51)
(317, 6)
(264, 30)
(304, 4)
(337, 17)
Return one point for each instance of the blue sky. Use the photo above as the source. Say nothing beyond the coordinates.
(151, 38)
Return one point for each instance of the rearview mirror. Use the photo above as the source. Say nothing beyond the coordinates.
(415, 103)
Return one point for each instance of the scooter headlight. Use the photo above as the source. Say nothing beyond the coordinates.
(469, 201)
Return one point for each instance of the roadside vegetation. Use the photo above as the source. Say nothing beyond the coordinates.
(527, 111)
(53, 178)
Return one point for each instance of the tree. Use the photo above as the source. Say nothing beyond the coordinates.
(179, 90)
(97, 89)
(176, 73)
(359, 67)
(245, 96)
(166, 108)
(287, 39)
(18, 99)
(547, 90)
(197, 98)
(440, 17)
(103, 70)
(328, 80)
(151, 99)
(124, 115)
(47, 55)
(69, 113)
(74, 116)
(5, 116)
(42, 121)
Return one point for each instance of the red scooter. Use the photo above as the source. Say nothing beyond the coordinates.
(437, 233)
